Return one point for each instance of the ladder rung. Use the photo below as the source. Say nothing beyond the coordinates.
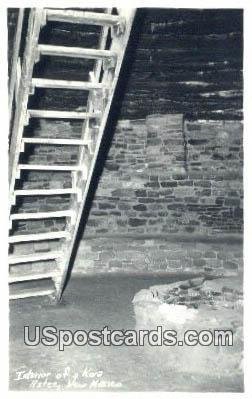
(32, 292)
(50, 167)
(41, 215)
(77, 52)
(53, 191)
(66, 84)
(82, 17)
(29, 277)
(41, 113)
(39, 236)
(49, 141)
(16, 259)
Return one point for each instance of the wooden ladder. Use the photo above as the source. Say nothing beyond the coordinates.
(27, 275)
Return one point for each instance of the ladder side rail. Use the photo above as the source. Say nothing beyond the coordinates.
(18, 77)
(118, 45)
(36, 20)
(102, 46)
(96, 75)
(14, 63)
(89, 110)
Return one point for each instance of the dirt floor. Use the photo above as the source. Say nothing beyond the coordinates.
(92, 302)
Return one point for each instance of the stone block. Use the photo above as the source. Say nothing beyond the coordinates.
(134, 222)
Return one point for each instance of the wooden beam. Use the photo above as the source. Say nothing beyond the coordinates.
(41, 215)
(75, 52)
(38, 237)
(31, 292)
(40, 113)
(36, 257)
(15, 57)
(82, 17)
(66, 84)
(67, 168)
(52, 191)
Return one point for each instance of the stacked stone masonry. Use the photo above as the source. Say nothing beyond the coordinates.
(163, 176)
(169, 197)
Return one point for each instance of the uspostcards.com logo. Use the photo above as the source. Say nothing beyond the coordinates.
(51, 336)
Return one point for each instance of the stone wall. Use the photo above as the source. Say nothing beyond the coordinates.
(215, 166)
(169, 197)
(159, 253)
(167, 176)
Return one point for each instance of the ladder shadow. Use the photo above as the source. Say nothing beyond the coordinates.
(114, 116)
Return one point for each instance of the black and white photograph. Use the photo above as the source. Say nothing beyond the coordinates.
(126, 194)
